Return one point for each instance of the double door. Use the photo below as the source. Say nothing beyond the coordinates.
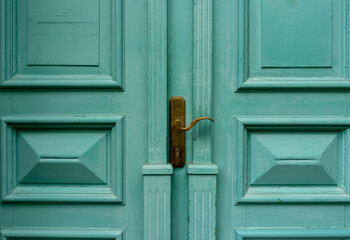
(84, 101)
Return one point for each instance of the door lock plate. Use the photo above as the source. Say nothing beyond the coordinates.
(177, 138)
(178, 130)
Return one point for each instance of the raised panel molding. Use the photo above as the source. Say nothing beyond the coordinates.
(295, 233)
(97, 61)
(202, 79)
(202, 172)
(291, 160)
(270, 59)
(61, 233)
(157, 81)
(202, 201)
(157, 172)
(62, 158)
(157, 197)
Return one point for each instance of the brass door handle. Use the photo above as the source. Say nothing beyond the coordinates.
(178, 129)
(178, 124)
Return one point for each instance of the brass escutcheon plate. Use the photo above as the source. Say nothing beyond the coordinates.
(177, 138)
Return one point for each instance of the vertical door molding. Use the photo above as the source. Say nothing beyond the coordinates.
(202, 79)
(202, 172)
(157, 81)
(157, 172)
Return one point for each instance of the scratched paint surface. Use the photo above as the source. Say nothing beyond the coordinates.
(63, 32)
(296, 26)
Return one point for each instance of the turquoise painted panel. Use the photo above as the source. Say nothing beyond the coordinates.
(157, 81)
(63, 33)
(291, 160)
(157, 201)
(87, 183)
(56, 157)
(283, 165)
(301, 234)
(63, 158)
(61, 233)
(63, 44)
(202, 181)
(291, 45)
(298, 34)
(202, 83)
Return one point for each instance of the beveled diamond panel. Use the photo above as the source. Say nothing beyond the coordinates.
(291, 160)
(62, 158)
(71, 157)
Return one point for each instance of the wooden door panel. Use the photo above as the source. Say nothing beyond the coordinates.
(73, 138)
(291, 44)
(296, 234)
(61, 233)
(63, 44)
(280, 104)
(55, 158)
(291, 160)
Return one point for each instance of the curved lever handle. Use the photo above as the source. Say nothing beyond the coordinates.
(178, 124)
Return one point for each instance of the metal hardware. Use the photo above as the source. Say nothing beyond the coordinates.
(178, 124)
(178, 129)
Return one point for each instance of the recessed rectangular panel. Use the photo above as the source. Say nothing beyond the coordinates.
(64, 32)
(291, 44)
(63, 44)
(297, 33)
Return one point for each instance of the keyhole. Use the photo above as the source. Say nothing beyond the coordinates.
(177, 151)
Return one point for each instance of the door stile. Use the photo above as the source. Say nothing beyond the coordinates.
(157, 172)
(202, 173)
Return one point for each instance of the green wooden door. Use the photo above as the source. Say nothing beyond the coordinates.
(280, 101)
(274, 74)
(73, 107)
(85, 86)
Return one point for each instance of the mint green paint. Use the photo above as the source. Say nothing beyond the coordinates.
(157, 172)
(157, 214)
(272, 52)
(202, 169)
(202, 172)
(309, 164)
(62, 158)
(201, 206)
(73, 44)
(291, 29)
(274, 165)
(47, 28)
(157, 81)
(280, 104)
(73, 111)
(202, 79)
(180, 83)
(292, 234)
